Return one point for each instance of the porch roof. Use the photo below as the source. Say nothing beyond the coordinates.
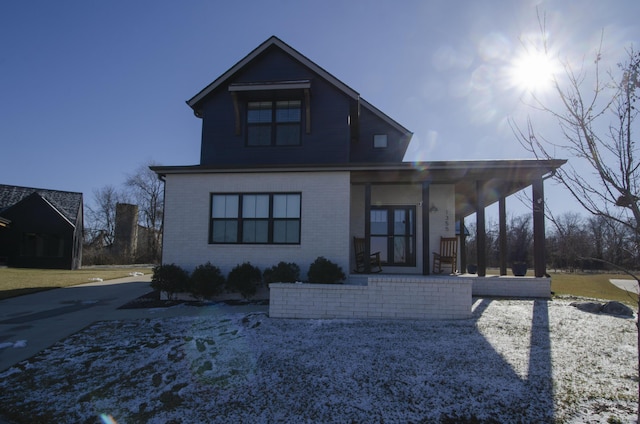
(498, 178)
(495, 178)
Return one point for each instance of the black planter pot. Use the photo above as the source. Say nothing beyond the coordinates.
(472, 269)
(519, 269)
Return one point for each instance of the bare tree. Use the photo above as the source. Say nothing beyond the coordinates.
(571, 240)
(597, 126)
(148, 192)
(101, 216)
(597, 118)
(491, 244)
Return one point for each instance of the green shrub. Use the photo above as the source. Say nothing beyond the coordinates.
(170, 278)
(282, 273)
(324, 271)
(244, 279)
(207, 281)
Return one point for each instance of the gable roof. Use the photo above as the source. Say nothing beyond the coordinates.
(68, 204)
(275, 41)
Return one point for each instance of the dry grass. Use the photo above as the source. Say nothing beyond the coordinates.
(19, 281)
(591, 285)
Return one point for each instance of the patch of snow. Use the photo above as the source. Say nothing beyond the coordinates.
(136, 274)
(513, 361)
(95, 279)
(16, 345)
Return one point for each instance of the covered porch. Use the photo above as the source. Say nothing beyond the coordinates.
(402, 210)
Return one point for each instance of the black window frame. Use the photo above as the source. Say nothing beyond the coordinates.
(272, 220)
(273, 124)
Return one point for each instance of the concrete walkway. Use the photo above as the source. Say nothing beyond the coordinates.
(628, 285)
(31, 323)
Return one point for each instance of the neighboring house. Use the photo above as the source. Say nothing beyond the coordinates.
(294, 164)
(40, 228)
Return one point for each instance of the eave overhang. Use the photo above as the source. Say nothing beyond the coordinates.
(495, 178)
(271, 85)
(403, 172)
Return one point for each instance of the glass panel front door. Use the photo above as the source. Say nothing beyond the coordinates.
(393, 234)
(380, 232)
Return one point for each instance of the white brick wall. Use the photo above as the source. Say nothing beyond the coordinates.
(324, 209)
(406, 297)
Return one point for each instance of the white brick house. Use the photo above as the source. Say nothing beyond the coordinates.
(325, 229)
(295, 164)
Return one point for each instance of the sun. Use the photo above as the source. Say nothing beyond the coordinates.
(532, 71)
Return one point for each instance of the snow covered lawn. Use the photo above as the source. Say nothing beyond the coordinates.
(515, 361)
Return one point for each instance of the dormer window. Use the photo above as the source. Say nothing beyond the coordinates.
(274, 123)
(272, 113)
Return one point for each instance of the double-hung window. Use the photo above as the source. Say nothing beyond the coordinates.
(274, 123)
(261, 218)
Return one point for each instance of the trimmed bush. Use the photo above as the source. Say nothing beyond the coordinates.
(244, 279)
(325, 272)
(170, 278)
(207, 281)
(282, 273)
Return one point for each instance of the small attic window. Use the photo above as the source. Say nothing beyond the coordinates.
(380, 141)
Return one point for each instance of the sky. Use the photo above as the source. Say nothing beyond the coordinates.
(92, 91)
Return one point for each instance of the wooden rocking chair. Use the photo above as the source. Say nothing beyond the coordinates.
(361, 265)
(448, 255)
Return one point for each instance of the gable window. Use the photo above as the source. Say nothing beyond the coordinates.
(380, 141)
(262, 218)
(274, 123)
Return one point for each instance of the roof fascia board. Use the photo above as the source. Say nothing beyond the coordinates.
(402, 166)
(57, 211)
(273, 40)
(48, 203)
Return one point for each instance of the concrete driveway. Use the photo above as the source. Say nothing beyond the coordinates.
(34, 322)
(31, 323)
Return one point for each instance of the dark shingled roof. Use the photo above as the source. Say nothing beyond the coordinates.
(69, 204)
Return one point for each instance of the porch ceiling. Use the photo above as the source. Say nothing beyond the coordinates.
(496, 179)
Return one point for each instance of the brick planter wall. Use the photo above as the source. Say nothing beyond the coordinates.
(400, 297)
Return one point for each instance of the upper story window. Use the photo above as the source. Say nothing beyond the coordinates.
(274, 123)
(272, 113)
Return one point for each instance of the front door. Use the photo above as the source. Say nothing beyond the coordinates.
(393, 230)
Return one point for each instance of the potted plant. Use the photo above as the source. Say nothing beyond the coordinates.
(519, 269)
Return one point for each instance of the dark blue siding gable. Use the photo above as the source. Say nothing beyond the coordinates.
(335, 125)
(363, 150)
